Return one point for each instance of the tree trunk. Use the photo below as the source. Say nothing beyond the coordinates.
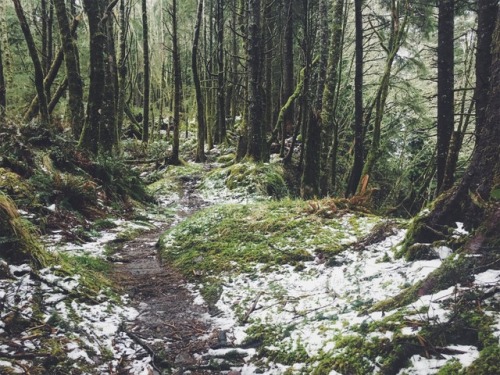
(288, 87)
(329, 134)
(200, 111)
(487, 10)
(108, 123)
(357, 166)
(122, 68)
(177, 85)
(90, 136)
(255, 116)
(3, 100)
(471, 200)
(147, 72)
(75, 84)
(445, 121)
(309, 186)
(4, 43)
(39, 84)
(220, 131)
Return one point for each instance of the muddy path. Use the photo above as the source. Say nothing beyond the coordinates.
(172, 327)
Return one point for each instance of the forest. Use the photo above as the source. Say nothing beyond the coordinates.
(250, 187)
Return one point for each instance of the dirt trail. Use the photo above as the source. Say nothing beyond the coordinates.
(171, 327)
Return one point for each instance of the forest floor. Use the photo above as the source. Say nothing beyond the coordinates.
(219, 279)
(171, 324)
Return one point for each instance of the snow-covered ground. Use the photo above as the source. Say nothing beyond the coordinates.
(319, 303)
(314, 305)
(85, 333)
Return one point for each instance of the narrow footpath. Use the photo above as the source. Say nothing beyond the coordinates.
(172, 327)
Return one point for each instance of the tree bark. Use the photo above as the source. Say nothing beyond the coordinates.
(71, 59)
(177, 84)
(288, 71)
(39, 76)
(445, 121)
(147, 72)
(220, 131)
(357, 166)
(99, 133)
(122, 68)
(329, 128)
(200, 110)
(487, 10)
(309, 184)
(3, 99)
(255, 149)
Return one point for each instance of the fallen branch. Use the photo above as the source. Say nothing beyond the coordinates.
(252, 308)
(146, 347)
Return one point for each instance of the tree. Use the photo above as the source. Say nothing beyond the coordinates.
(147, 72)
(474, 200)
(357, 166)
(487, 10)
(255, 148)
(445, 121)
(309, 184)
(39, 76)
(220, 131)
(99, 130)
(177, 84)
(3, 101)
(329, 135)
(71, 59)
(288, 73)
(200, 110)
(124, 12)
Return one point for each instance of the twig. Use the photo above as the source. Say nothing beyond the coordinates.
(252, 308)
(146, 347)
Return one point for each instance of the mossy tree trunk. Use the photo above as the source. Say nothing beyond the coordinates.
(309, 184)
(200, 110)
(487, 10)
(357, 165)
(124, 11)
(445, 101)
(329, 130)
(288, 72)
(99, 133)
(220, 129)
(255, 149)
(108, 133)
(472, 200)
(39, 76)
(147, 72)
(3, 99)
(71, 59)
(177, 84)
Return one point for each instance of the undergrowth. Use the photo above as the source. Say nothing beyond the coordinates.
(236, 237)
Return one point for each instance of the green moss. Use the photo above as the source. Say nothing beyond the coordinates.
(236, 237)
(17, 188)
(452, 271)
(250, 178)
(452, 367)
(487, 363)
(271, 343)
